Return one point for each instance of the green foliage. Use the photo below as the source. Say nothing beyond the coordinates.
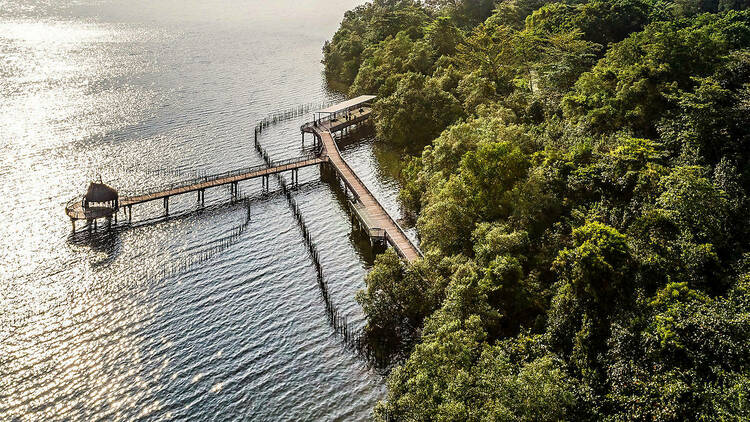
(366, 26)
(632, 86)
(597, 265)
(580, 188)
(689, 361)
(395, 296)
(416, 112)
(393, 56)
(466, 13)
(443, 37)
(601, 22)
(490, 173)
(453, 375)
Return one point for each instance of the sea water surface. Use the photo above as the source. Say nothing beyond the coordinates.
(210, 314)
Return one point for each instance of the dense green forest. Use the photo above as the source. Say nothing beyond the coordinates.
(579, 179)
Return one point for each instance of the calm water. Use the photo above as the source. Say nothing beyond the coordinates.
(128, 324)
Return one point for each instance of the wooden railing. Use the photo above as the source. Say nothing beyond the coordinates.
(227, 174)
(364, 186)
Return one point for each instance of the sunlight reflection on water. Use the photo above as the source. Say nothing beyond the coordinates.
(122, 324)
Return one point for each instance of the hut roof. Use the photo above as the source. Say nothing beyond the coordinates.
(99, 192)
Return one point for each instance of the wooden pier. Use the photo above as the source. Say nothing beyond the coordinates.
(368, 210)
(76, 210)
(369, 213)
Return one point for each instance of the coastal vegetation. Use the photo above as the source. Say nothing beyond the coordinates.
(579, 175)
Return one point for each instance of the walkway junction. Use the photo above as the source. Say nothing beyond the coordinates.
(103, 202)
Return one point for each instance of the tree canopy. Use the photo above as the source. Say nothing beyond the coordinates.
(579, 179)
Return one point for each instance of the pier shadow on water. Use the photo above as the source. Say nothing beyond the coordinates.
(104, 241)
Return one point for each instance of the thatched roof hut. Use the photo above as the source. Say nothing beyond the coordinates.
(100, 193)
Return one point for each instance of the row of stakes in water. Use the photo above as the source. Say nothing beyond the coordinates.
(338, 320)
(290, 113)
(351, 336)
(195, 259)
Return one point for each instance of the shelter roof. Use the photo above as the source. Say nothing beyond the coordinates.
(99, 192)
(354, 102)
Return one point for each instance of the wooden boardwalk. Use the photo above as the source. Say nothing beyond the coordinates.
(213, 181)
(75, 210)
(368, 211)
(371, 212)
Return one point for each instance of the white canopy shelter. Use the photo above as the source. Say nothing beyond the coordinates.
(344, 106)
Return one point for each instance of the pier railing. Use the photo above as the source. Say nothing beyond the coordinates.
(364, 186)
(70, 204)
(290, 113)
(227, 174)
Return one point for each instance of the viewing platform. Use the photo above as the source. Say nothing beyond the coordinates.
(104, 202)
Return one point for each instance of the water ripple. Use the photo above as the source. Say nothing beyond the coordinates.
(204, 315)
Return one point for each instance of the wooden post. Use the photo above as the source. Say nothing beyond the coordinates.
(130, 213)
(166, 205)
